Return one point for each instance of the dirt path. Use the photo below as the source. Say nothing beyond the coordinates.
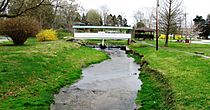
(110, 85)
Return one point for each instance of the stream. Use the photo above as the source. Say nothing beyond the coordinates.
(109, 85)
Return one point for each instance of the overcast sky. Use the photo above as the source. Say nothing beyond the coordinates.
(128, 7)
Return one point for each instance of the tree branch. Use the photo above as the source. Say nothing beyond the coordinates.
(19, 13)
(4, 5)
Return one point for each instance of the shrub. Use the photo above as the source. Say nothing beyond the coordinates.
(47, 35)
(64, 33)
(162, 36)
(178, 37)
(19, 29)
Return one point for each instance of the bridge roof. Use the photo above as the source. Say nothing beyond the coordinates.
(145, 29)
(101, 27)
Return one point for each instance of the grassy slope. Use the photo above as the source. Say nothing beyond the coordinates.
(188, 77)
(31, 74)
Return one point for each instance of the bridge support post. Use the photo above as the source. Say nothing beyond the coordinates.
(129, 41)
(102, 43)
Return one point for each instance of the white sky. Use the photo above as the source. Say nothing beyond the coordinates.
(128, 7)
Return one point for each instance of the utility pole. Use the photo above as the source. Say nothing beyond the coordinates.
(157, 24)
(185, 19)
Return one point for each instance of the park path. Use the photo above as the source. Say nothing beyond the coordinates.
(110, 85)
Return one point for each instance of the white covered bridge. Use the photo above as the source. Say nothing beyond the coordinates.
(102, 32)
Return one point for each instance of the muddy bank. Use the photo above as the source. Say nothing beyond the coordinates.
(110, 85)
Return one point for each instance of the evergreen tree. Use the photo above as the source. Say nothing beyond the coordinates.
(114, 21)
(119, 20)
(84, 19)
(110, 20)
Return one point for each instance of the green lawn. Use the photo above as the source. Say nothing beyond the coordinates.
(203, 48)
(171, 74)
(64, 33)
(31, 74)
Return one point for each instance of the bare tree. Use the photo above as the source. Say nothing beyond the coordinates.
(44, 14)
(169, 16)
(50, 13)
(149, 16)
(20, 7)
(65, 13)
(138, 16)
(104, 10)
(145, 16)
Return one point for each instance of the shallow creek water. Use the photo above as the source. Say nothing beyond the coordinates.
(110, 85)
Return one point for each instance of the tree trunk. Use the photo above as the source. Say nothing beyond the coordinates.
(166, 43)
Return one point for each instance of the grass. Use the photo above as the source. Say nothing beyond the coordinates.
(186, 75)
(155, 93)
(31, 74)
(64, 33)
(202, 48)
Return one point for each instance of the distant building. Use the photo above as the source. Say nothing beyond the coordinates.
(144, 33)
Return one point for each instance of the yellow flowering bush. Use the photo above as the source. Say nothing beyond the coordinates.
(178, 37)
(162, 36)
(47, 35)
